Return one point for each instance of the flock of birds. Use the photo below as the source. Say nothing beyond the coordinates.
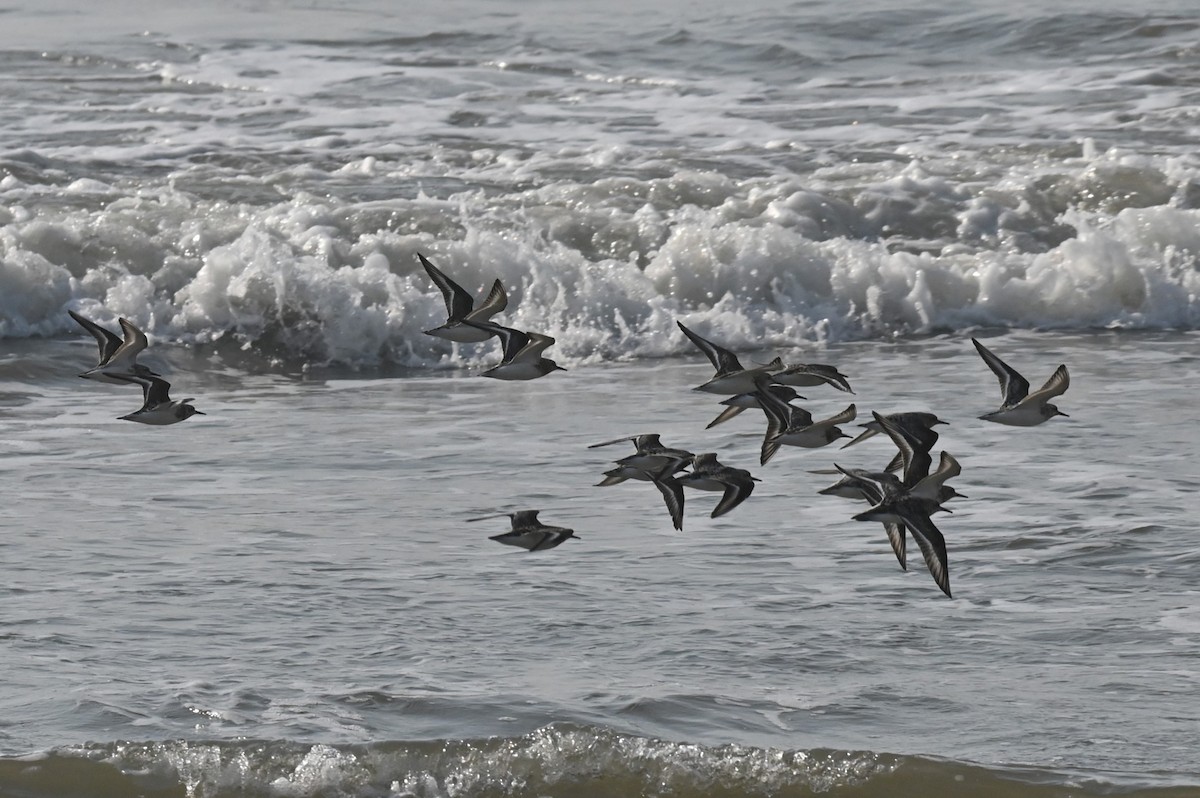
(903, 495)
(118, 366)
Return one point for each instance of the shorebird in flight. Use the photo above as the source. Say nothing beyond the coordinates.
(730, 377)
(460, 308)
(1020, 408)
(528, 532)
(157, 407)
(118, 358)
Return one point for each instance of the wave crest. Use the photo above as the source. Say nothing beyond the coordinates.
(607, 266)
(554, 761)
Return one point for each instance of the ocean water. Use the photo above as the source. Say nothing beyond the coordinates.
(283, 596)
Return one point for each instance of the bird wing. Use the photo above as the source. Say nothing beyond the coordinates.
(948, 467)
(672, 492)
(489, 517)
(849, 414)
(933, 548)
(531, 352)
(523, 519)
(862, 436)
(126, 354)
(511, 341)
(1057, 385)
(829, 374)
(895, 534)
(614, 440)
(495, 302)
(725, 415)
(155, 390)
(107, 341)
(1013, 386)
(458, 302)
(737, 490)
(724, 361)
(769, 447)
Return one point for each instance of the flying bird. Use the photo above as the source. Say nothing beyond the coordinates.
(730, 377)
(1020, 408)
(521, 357)
(118, 358)
(157, 407)
(735, 484)
(528, 532)
(460, 308)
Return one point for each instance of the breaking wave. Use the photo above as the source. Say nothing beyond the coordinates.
(575, 761)
(604, 264)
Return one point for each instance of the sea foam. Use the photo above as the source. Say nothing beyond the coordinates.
(606, 265)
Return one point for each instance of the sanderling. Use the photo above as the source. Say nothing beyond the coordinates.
(794, 426)
(742, 401)
(916, 425)
(460, 308)
(528, 532)
(914, 513)
(652, 462)
(809, 375)
(708, 474)
(1021, 408)
(157, 407)
(118, 358)
(730, 377)
(521, 357)
(650, 458)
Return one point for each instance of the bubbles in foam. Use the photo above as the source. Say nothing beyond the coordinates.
(607, 264)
